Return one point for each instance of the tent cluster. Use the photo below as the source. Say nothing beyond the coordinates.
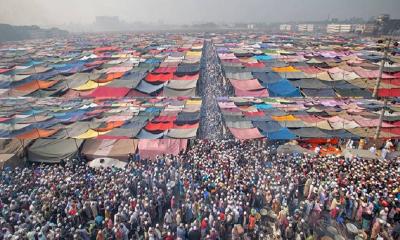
(56, 128)
(115, 67)
(305, 119)
(295, 66)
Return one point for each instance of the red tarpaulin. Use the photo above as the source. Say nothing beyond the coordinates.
(163, 77)
(110, 92)
(247, 85)
(149, 148)
(395, 81)
(389, 92)
(186, 77)
(4, 70)
(246, 133)
(75, 93)
(394, 130)
(253, 93)
(165, 70)
(164, 119)
(4, 119)
(255, 65)
(254, 114)
(159, 126)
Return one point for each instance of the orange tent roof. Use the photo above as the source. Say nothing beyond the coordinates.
(35, 85)
(37, 133)
(285, 69)
(284, 118)
(110, 125)
(110, 77)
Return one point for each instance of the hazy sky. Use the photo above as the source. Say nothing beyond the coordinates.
(57, 12)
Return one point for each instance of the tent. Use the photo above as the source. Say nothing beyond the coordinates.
(246, 133)
(239, 76)
(148, 88)
(325, 92)
(248, 85)
(12, 152)
(251, 93)
(171, 92)
(282, 88)
(310, 132)
(53, 150)
(293, 149)
(150, 149)
(182, 133)
(358, 153)
(239, 124)
(182, 84)
(102, 148)
(110, 92)
(282, 134)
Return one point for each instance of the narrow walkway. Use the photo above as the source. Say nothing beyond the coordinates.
(210, 88)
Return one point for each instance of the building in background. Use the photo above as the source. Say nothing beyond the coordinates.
(338, 28)
(250, 26)
(305, 27)
(285, 28)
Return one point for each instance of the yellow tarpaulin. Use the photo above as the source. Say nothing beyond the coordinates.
(90, 134)
(193, 54)
(323, 76)
(285, 69)
(89, 85)
(193, 102)
(284, 118)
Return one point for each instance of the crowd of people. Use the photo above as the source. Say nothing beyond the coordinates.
(220, 188)
(217, 189)
(212, 87)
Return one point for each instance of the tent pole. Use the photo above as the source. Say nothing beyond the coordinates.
(378, 129)
(76, 144)
(36, 81)
(379, 78)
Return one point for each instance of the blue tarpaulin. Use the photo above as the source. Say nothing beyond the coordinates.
(283, 134)
(282, 88)
(263, 57)
(267, 127)
(263, 106)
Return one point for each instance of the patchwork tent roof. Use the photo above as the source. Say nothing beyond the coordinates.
(305, 119)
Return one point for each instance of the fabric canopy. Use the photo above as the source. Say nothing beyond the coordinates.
(309, 133)
(109, 92)
(170, 92)
(182, 133)
(246, 133)
(118, 149)
(282, 89)
(251, 93)
(251, 84)
(151, 77)
(182, 84)
(150, 149)
(53, 150)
